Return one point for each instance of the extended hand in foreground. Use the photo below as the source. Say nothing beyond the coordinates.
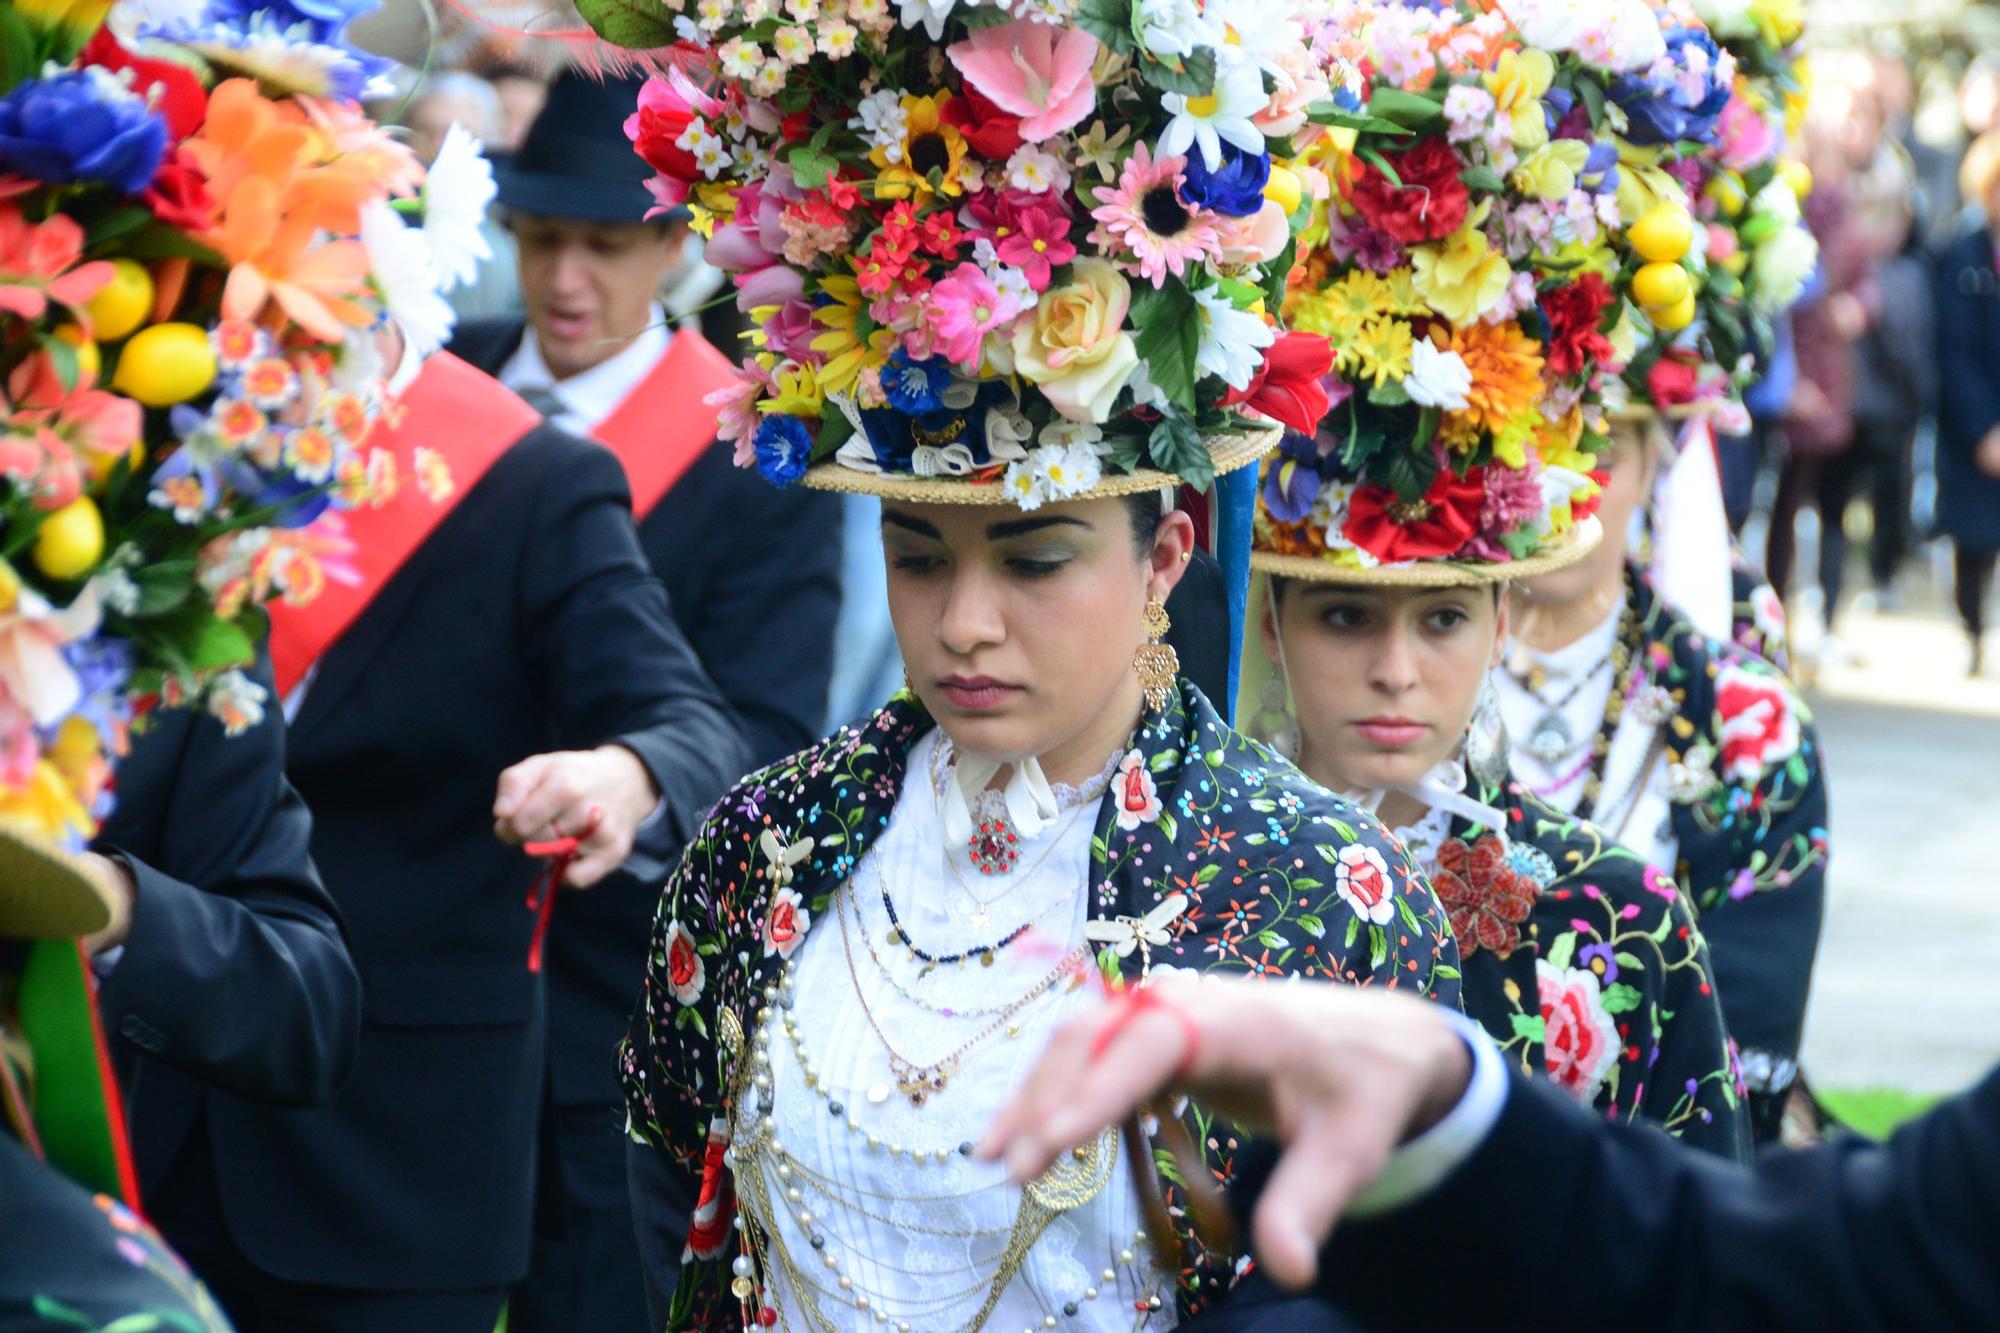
(1340, 1075)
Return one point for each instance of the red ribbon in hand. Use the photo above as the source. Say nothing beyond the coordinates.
(542, 893)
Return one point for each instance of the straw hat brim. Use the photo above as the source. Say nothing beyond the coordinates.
(1229, 453)
(46, 893)
(1577, 543)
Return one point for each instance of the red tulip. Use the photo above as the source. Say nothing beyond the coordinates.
(1288, 387)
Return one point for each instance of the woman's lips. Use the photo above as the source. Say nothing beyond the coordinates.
(976, 694)
(1392, 732)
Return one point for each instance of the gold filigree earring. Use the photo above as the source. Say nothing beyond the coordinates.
(1156, 662)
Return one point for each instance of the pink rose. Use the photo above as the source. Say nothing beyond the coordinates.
(1745, 138)
(685, 972)
(1138, 797)
(1361, 876)
(785, 924)
(1579, 1040)
(1760, 725)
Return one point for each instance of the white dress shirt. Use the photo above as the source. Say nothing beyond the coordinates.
(1632, 806)
(589, 396)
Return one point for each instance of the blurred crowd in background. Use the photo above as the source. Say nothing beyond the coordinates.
(1852, 490)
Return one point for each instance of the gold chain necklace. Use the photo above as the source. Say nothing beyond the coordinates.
(931, 1006)
(918, 1082)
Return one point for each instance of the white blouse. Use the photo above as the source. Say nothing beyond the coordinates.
(918, 1228)
(1632, 803)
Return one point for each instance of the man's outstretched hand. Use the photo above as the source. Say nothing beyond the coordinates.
(600, 796)
(1340, 1075)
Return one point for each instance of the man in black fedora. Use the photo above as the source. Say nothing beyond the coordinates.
(625, 331)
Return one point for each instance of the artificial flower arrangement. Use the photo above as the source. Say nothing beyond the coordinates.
(199, 243)
(1031, 243)
(1509, 226)
(1750, 244)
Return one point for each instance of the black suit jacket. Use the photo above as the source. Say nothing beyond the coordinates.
(236, 973)
(1562, 1221)
(753, 580)
(526, 622)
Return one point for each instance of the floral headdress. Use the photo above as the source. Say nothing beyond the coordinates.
(1744, 254)
(1012, 252)
(200, 237)
(1474, 272)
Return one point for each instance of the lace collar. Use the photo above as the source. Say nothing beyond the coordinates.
(966, 795)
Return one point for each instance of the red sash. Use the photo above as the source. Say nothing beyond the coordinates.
(663, 426)
(464, 415)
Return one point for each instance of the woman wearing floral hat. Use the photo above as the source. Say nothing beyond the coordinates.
(1455, 462)
(1013, 277)
(1634, 698)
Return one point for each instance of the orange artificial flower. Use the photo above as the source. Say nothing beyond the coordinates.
(1506, 366)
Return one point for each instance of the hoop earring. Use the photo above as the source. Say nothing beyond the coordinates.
(1156, 661)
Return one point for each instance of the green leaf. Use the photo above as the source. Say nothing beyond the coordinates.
(1530, 1026)
(1109, 21)
(638, 25)
(1413, 111)
(1624, 959)
(1194, 76)
(1241, 294)
(1408, 474)
(163, 586)
(1483, 179)
(1207, 873)
(1381, 164)
(1378, 946)
(1353, 931)
(1276, 275)
(221, 644)
(834, 430)
(63, 356)
(1312, 925)
(1271, 939)
(1427, 425)
(17, 49)
(1447, 972)
(1306, 884)
(1409, 915)
(1165, 760)
(811, 166)
(1329, 113)
(1563, 950)
(1169, 323)
(1592, 93)
(1176, 446)
(1620, 998)
(1389, 393)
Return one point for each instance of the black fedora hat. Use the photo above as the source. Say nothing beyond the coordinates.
(576, 161)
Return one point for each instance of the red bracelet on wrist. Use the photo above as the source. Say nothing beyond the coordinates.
(1133, 1001)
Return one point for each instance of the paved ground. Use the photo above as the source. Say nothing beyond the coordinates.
(1907, 994)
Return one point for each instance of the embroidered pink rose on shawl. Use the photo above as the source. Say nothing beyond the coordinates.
(1138, 797)
(1361, 876)
(785, 924)
(685, 973)
(1760, 728)
(1579, 1039)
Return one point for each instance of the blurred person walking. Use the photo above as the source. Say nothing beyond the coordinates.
(1968, 339)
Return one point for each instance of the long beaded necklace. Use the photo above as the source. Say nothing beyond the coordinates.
(931, 1006)
(1626, 662)
(918, 1082)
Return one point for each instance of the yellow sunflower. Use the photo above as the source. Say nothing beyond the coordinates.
(846, 350)
(929, 145)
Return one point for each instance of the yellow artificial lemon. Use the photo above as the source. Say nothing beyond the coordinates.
(165, 364)
(1663, 235)
(89, 363)
(70, 541)
(122, 304)
(1676, 317)
(1661, 285)
(1797, 175)
(1726, 192)
(1284, 189)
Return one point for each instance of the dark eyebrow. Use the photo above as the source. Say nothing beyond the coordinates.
(1021, 527)
(892, 519)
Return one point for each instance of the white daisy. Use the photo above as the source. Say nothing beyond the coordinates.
(879, 116)
(1171, 27)
(740, 59)
(405, 273)
(793, 44)
(457, 190)
(1231, 339)
(1225, 113)
(1026, 484)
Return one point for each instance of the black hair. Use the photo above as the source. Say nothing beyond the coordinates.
(1145, 511)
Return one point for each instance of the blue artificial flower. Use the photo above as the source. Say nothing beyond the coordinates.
(319, 20)
(784, 448)
(1680, 97)
(915, 388)
(294, 501)
(81, 126)
(1236, 188)
(1292, 482)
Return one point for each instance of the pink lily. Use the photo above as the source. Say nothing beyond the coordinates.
(1031, 70)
